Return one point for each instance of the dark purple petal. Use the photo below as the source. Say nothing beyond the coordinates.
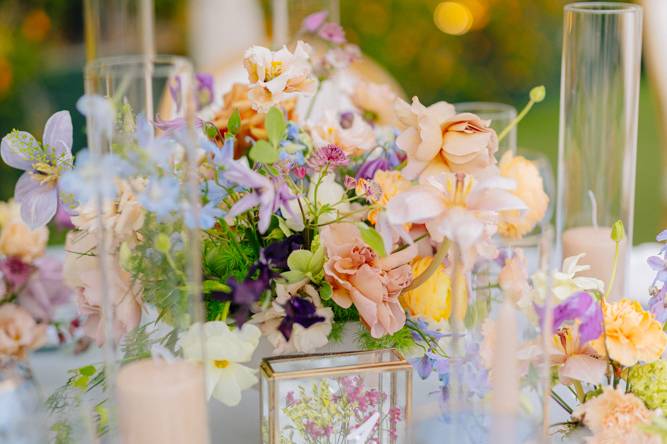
(17, 149)
(58, 134)
(285, 328)
(275, 255)
(39, 203)
(312, 22)
(302, 311)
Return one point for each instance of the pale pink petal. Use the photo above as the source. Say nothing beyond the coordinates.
(39, 203)
(417, 205)
(58, 133)
(584, 368)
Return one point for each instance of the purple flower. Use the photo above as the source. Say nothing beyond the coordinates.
(62, 219)
(370, 167)
(656, 306)
(246, 293)
(579, 306)
(300, 311)
(15, 271)
(45, 290)
(662, 236)
(313, 22)
(266, 193)
(332, 32)
(37, 189)
(175, 91)
(331, 155)
(275, 255)
(205, 91)
(659, 265)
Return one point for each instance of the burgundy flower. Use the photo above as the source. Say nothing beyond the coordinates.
(15, 271)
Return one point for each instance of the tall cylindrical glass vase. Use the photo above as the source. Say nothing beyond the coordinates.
(598, 134)
(136, 247)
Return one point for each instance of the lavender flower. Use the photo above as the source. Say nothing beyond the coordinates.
(659, 265)
(93, 176)
(370, 167)
(266, 193)
(579, 306)
(37, 189)
(205, 91)
(332, 32)
(175, 91)
(331, 156)
(313, 22)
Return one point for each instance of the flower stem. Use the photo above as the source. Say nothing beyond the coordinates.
(516, 120)
(613, 271)
(561, 402)
(440, 254)
(311, 105)
(580, 391)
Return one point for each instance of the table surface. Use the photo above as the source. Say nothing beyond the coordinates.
(240, 424)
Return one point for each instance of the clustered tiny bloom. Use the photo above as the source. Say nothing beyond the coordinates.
(331, 156)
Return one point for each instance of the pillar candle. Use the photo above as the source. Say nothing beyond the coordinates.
(600, 249)
(162, 402)
(505, 376)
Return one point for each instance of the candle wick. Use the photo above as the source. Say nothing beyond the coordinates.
(594, 208)
(159, 351)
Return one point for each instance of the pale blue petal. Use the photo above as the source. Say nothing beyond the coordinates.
(58, 135)
(18, 149)
(39, 203)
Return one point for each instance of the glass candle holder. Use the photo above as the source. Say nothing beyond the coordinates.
(355, 397)
(500, 115)
(139, 237)
(598, 134)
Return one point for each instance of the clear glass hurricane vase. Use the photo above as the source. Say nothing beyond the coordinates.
(288, 16)
(601, 65)
(144, 240)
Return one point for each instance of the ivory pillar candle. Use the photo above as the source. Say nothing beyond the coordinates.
(600, 249)
(162, 402)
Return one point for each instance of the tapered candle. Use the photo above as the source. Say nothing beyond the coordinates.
(505, 376)
(162, 402)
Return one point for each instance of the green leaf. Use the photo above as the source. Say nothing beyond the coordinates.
(262, 151)
(293, 276)
(81, 382)
(88, 370)
(618, 231)
(275, 125)
(317, 260)
(326, 291)
(209, 286)
(299, 260)
(372, 238)
(234, 122)
(210, 130)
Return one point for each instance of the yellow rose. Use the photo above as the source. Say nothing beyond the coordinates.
(432, 299)
(16, 238)
(530, 189)
(632, 334)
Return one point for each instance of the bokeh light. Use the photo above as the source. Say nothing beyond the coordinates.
(453, 17)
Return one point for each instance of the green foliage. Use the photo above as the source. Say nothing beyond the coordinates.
(305, 264)
(341, 314)
(275, 126)
(336, 334)
(402, 340)
(372, 238)
(263, 152)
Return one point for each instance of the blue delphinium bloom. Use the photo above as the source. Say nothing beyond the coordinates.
(208, 214)
(161, 196)
(93, 176)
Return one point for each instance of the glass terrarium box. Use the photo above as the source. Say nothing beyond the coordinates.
(350, 397)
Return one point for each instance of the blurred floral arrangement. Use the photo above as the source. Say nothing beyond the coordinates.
(375, 214)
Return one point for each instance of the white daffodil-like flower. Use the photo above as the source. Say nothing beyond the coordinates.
(564, 283)
(225, 350)
(278, 75)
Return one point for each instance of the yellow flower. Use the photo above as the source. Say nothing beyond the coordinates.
(615, 417)
(632, 334)
(530, 189)
(391, 183)
(433, 299)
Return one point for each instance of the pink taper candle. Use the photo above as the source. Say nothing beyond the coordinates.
(162, 402)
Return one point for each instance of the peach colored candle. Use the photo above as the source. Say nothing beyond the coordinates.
(600, 249)
(161, 402)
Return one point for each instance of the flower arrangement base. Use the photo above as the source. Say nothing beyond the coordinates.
(336, 397)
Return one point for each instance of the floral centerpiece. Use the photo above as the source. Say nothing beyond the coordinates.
(375, 212)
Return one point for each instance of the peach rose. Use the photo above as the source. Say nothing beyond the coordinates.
(359, 276)
(350, 132)
(376, 102)
(530, 189)
(82, 273)
(17, 239)
(19, 332)
(513, 278)
(465, 142)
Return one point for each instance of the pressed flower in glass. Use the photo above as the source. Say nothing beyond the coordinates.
(135, 249)
(359, 397)
(598, 133)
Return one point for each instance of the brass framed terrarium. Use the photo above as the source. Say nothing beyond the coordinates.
(358, 397)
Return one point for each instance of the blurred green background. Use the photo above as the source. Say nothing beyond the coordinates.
(473, 50)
